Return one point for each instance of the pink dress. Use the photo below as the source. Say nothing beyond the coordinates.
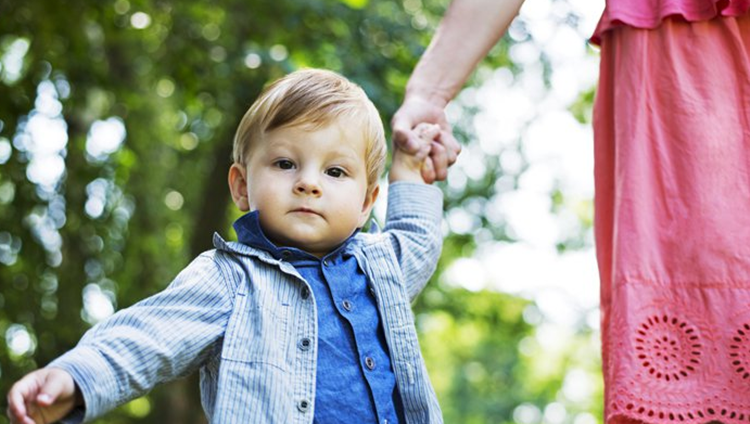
(672, 149)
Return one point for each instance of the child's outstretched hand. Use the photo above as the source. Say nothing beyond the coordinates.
(42, 396)
(409, 166)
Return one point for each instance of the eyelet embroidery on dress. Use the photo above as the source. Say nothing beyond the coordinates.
(700, 415)
(669, 348)
(740, 351)
(649, 415)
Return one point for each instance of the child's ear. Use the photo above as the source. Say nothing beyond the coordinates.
(369, 202)
(238, 186)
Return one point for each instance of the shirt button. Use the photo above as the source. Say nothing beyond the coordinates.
(305, 293)
(286, 254)
(304, 344)
(303, 405)
(347, 305)
(325, 262)
(370, 363)
(372, 291)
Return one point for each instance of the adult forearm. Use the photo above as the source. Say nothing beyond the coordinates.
(467, 32)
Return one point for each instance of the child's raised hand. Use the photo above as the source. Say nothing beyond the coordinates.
(409, 166)
(42, 396)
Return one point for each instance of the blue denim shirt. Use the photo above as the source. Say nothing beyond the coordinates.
(354, 378)
(241, 317)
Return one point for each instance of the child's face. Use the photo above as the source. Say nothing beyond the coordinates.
(309, 185)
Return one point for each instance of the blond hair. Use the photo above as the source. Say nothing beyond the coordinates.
(313, 97)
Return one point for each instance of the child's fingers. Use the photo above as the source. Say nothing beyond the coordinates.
(427, 131)
(17, 398)
(14, 415)
(56, 383)
(19, 413)
(30, 397)
(14, 419)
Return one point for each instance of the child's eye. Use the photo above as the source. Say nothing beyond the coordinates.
(336, 172)
(284, 164)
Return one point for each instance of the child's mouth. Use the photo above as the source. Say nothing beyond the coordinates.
(306, 211)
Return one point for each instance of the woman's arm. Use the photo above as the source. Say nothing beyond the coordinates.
(466, 34)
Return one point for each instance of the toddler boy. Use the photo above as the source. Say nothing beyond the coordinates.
(305, 319)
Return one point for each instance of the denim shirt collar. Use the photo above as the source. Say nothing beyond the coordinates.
(250, 233)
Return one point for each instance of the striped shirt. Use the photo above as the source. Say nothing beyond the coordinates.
(354, 379)
(242, 317)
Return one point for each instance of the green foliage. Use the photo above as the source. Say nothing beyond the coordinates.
(467, 338)
(177, 77)
(582, 108)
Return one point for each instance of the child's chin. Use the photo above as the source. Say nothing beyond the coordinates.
(315, 247)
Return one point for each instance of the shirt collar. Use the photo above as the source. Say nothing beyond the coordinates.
(250, 233)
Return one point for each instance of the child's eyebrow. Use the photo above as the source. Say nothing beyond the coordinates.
(346, 154)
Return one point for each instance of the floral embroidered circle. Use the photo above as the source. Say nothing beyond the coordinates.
(740, 351)
(667, 347)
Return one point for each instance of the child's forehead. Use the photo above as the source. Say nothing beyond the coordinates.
(333, 138)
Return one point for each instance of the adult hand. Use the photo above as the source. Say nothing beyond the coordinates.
(444, 149)
(42, 396)
(406, 166)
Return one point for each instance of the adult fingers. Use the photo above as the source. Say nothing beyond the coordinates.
(439, 161)
(424, 151)
(403, 136)
(428, 171)
(451, 145)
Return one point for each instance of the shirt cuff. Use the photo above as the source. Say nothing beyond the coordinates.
(91, 374)
(414, 199)
(75, 416)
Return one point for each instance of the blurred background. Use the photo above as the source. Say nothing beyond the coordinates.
(116, 122)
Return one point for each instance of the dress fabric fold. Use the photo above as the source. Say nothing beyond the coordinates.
(672, 216)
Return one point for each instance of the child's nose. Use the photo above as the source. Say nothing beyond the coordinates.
(307, 186)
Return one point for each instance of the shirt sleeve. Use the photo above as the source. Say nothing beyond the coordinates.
(413, 225)
(158, 339)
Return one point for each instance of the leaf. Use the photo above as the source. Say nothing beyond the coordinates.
(355, 4)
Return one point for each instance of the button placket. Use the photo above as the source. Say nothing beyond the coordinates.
(304, 344)
(347, 305)
(370, 363)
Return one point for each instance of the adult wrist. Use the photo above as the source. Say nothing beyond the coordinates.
(427, 93)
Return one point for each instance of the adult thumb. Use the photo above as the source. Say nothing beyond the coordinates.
(403, 136)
